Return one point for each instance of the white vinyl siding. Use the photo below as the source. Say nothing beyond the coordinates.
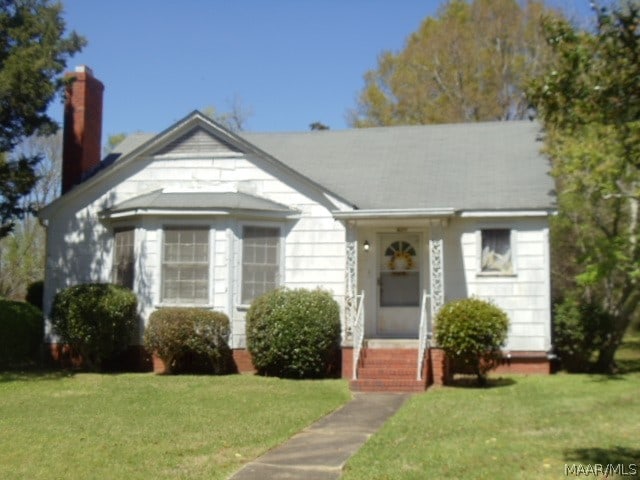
(185, 266)
(260, 261)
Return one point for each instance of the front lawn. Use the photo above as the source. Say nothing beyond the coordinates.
(522, 427)
(142, 426)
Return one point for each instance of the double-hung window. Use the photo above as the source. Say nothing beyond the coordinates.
(260, 261)
(185, 266)
(496, 256)
(123, 257)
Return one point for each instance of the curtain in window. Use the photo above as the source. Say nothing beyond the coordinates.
(496, 251)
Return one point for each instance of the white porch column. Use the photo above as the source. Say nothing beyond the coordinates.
(351, 278)
(436, 263)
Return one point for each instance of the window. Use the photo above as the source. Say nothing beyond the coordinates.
(260, 261)
(122, 267)
(496, 251)
(185, 266)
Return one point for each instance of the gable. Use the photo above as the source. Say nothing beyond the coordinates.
(197, 141)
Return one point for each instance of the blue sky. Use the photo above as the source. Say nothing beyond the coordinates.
(292, 62)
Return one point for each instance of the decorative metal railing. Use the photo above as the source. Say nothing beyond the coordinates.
(358, 333)
(424, 333)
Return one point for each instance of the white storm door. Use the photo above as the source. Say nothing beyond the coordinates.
(399, 285)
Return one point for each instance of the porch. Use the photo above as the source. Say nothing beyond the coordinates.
(394, 288)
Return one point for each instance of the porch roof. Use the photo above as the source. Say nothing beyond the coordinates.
(197, 203)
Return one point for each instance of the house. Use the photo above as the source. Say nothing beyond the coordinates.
(394, 221)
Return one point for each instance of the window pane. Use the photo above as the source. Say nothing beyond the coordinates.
(185, 266)
(399, 289)
(123, 258)
(496, 251)
(260, 261)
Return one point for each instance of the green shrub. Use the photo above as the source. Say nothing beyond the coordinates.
(472, 331)
(579, 330)
(97, 320)
(35, 292)
(190, 340)
(293, 333)
(21, 328)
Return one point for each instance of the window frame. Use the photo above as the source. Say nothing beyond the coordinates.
(512, 243)
(163, 301)
(240, 304)
(114, 256)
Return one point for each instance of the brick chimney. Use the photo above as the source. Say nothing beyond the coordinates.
(82, 136)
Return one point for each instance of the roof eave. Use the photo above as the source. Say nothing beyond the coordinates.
(173, 212)
(393, 213)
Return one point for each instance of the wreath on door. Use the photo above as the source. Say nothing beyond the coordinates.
(401, 256)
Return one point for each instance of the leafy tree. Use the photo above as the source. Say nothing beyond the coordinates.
(22, 251)
(589, 101)
(113, 141)
(468, 63)
(33, 55)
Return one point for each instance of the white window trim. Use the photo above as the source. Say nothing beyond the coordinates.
(204, 225)
(239, 258)
(513, 237)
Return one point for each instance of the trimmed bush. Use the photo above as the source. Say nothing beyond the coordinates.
(472, 331)
(580, 329)
(21, 328)
(190, 340)
(293, 333)
(97, 320)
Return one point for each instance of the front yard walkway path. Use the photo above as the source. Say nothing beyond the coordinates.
(320, 451)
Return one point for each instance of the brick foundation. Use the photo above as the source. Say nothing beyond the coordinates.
(134, 359)
(242, 359)
(347, 362)
(533, 363)
(439, 363)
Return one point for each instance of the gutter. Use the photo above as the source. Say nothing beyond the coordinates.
(393, 213)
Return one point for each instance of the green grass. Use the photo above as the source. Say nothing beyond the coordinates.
(142, 426)
(523, 427)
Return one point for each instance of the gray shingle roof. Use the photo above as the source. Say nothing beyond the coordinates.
(466, 166)
(478, 166)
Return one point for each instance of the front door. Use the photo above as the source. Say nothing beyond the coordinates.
(399, 281)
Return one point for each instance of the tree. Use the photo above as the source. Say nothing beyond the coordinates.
(235, 118)
(33, 55)
(22, 251)
(589, 102)
(468, 63)
(113, 141)
(318, 126)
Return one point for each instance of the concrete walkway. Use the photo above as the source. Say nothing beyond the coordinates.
(320, 451)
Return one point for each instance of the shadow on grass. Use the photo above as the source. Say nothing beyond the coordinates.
(33, 375)
(470, 381)
(617, 455)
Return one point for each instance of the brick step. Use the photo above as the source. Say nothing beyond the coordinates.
(390, 372)
(387, 385)
(385, 356)
(389, 352)
(384, 362)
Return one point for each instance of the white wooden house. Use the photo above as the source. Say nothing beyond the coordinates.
(394, 221)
